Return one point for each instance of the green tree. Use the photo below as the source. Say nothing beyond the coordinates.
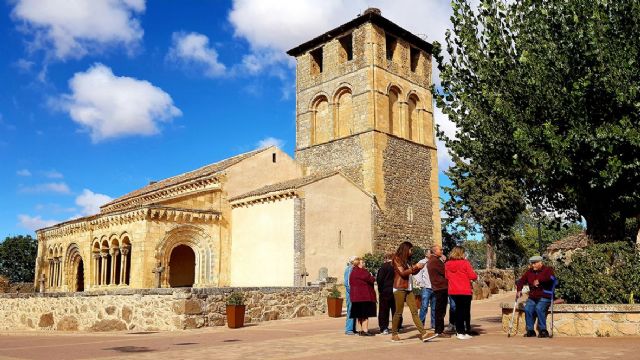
(525, 233)
(18, 258)
(481, 201)
(546, 95)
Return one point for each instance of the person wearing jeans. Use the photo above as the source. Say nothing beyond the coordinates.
(350, 325)
(540, 279)
(428, 298)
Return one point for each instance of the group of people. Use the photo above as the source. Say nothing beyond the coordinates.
(444, 281)
(441, 280)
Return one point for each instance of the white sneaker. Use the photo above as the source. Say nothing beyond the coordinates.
(462, 337)
(467, 336)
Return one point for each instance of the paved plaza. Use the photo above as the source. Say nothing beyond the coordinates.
(317, 337)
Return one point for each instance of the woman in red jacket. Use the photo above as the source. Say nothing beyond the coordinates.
(459, 274)
(363, 296)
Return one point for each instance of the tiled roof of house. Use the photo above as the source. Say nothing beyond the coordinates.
(571, 242)
(191, 175)
(285, 185)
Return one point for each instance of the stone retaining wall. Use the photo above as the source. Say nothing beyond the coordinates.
(153, 309)
(589, 320)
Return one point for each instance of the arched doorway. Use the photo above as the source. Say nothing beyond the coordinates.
(182, 267)
(80, 276)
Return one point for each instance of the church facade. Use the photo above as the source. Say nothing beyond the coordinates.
(364, 179)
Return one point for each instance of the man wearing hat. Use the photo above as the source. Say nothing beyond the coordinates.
(350, 326)
(539, 278)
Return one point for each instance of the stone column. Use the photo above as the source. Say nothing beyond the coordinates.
(50, 272)
(56, 265)
(96, 269)
(61, 277)
(103, 272)
(114, 256)
(123, 265)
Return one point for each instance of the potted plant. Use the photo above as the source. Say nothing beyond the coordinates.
(417, 293)
(334, 302)
(235, 310)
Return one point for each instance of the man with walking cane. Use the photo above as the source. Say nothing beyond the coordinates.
(541, 280)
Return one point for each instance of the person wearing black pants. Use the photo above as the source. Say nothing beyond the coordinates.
(384, 278)
(439, 285)
(462, 313)
(460, 274)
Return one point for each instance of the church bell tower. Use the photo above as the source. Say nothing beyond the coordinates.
(364, 107)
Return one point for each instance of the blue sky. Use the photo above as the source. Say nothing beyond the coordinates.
(99, 99)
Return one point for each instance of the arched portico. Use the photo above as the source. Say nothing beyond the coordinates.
(183, 247)
(74, 268)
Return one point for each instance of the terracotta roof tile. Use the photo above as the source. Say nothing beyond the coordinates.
(571, 242)
(191, 175)
(285, 185)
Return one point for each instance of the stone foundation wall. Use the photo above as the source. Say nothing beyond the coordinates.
(588, 320)
(153, 309)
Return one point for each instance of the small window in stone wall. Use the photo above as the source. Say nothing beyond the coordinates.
(273, 157)
(316, 61)
(346, 48)
(340, 243)
(415, 57)
(391, 44)
(410, 214)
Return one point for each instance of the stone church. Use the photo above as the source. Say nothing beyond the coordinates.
(364, 179)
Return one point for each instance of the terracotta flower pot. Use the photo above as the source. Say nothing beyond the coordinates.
(334, 307)
(235, 316)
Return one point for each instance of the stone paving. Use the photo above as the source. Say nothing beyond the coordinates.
(310, 338)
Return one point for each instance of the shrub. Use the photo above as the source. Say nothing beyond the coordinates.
(235, 298)
(601, 274)
(373, 262)
(334, 292)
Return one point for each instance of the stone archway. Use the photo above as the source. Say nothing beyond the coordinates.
(74, 270)
(197, 240)
(182, 266)
(80, 276)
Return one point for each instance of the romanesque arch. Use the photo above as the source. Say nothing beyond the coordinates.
(74, 268)
(193, 237)
(344, 117)
(395, 126)
(415, 125)
(321, 129)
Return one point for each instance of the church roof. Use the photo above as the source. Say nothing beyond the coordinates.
(571, 242)
(285, 185)
(204, 171)
(373, 17)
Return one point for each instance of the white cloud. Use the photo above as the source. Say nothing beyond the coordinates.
(110, 106)
(34, 223)
(54, 187)
(23, 172)
(450, 129)
(298, 21)
(53, 174)
(71, 29)
(193, 49)
(270, 141)
(90, 202)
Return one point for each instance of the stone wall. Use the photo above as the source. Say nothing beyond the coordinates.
(153, 309)
(492, 281)
(407, 214)
(588, 320)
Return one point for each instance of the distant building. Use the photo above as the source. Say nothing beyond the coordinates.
(364, 178)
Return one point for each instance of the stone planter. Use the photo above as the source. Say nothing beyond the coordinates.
(235, 316)
(334, 307)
